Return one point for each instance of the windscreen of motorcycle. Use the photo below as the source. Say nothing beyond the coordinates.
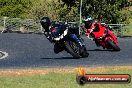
(59, 31)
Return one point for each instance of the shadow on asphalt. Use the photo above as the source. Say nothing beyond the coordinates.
(59, 58)
(103, 50)
(94, 50)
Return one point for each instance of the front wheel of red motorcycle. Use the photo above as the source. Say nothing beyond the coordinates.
(113, 45)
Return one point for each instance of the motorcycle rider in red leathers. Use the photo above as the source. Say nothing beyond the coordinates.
(90, 24)
(101, 34)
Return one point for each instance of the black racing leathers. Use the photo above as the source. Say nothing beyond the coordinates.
(57, 46)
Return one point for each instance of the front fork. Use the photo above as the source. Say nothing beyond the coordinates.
(79, 41)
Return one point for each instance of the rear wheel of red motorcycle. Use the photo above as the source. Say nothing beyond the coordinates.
(113, 45)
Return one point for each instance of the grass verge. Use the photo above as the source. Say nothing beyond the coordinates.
(57, 77)
(128, 30)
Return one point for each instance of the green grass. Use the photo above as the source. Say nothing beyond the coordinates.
(57, 80)
(127, 30)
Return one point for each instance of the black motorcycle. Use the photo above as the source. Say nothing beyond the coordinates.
(69, 40)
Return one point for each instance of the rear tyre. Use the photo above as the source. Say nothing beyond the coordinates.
(113, 45)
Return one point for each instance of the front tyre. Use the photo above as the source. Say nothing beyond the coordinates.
(113, 45)
(83, 52)
(75, 50)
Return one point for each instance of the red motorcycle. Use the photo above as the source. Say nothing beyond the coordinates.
(102, 35)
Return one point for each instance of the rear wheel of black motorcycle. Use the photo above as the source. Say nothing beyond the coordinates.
(73, 49)
(113, 45)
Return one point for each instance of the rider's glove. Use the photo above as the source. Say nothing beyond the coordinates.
(49, 36)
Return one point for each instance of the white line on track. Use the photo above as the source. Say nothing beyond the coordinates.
(3, 55)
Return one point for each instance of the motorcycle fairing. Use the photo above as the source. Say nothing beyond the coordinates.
(58, 29)
(112, 37)
(98, 34)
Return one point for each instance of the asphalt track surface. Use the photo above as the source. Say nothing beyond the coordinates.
(35, 51)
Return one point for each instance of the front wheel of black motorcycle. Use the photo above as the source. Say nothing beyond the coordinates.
(84, 52)
(113, 45)
(74, 49)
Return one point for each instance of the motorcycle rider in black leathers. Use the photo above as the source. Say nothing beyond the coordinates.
(50, 31)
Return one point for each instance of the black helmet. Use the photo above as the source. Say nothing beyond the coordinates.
(87, 21)
(45, 22)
